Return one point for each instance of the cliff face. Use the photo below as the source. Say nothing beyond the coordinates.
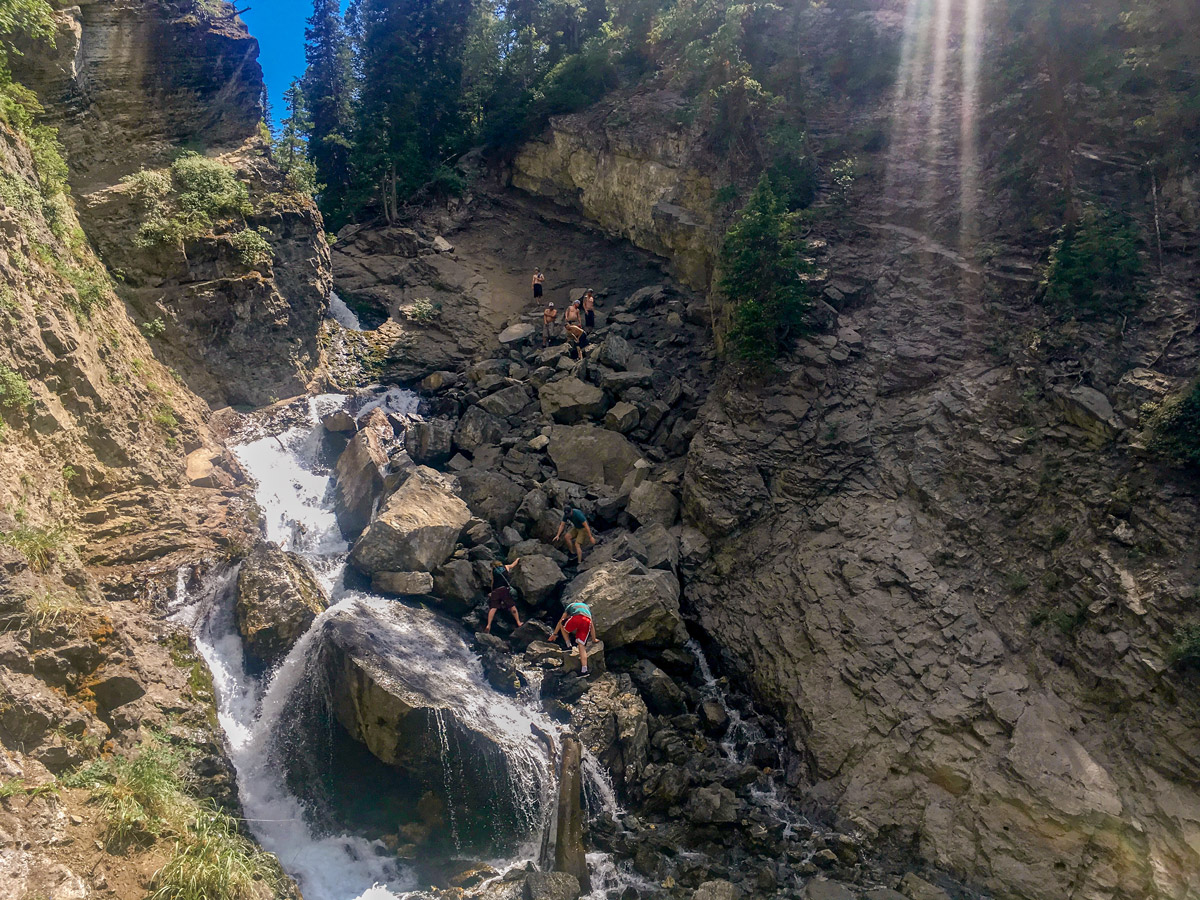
(131, 84)
(939, 548)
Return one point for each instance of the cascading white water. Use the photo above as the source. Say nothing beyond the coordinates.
(343, 314)
(293, 492)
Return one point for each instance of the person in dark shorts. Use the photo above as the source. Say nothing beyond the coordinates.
(573, 314)
(577, 340)
(576, 526)
(501, 596)
(589, 309)
(576, 625)
(538, 280)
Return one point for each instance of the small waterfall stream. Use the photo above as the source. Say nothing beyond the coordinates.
(256, 712)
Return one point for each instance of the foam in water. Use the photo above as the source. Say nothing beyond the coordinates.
(294, 494)
(342, 314)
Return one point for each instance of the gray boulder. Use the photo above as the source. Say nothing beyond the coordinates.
(585, 454)
(615, 353)
(659, 690)
(662, 547)
(622, 418)
(417, 528)
(430, 443)
(455, 586)
(537, 578)
(477, 428)
(714, 804)
(339, 422)
(571, 400)
(490, 496)
(277, 600)
(652, 504)
(507, 402)
(551, 886)
(631, 605)
(821, 889)
(403, 583)
(358, 481)
(715, 890)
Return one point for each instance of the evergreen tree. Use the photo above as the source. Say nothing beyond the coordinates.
(291, 148)
(329, 90)
(761, 269)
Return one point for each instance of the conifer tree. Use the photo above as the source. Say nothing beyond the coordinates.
(329, 90)
(291, 147)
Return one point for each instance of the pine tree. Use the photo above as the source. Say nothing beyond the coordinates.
(291, 148)
(761, 269)
(329, 90)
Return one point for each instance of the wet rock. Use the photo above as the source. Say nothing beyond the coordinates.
(403, 583)
(716, 890)
(416, 530)
(456, 587)
(477, 428)
(613, 723)
(551, 886)
(713, 718)
(622, 418)
(650, 503)
(714, 804)
(277, 600)
(358, 481)
(631, 605)
(821, 889)
(586, 454)
(339, 422)
(571, 400)
(662, 694)
(430, 442)
(537, 578)
(491, 496)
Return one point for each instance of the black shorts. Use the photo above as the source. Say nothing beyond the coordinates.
(501, 598)
(589, 318)
(537, 291)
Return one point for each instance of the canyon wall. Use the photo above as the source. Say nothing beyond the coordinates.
(940, 549)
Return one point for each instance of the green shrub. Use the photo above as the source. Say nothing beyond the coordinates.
(1094, 266)
(154, 328)
(14, 390)
(424, 310)
(762, 278)
(1185, 652)
(92, 286)
(186, 202)
(252, 248)
(446, 182)
(1175, 426)
(1017, 582)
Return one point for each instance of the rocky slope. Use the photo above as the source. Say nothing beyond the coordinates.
(939, 549)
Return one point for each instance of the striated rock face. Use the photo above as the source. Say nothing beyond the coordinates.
(623, 165)
(128, 85)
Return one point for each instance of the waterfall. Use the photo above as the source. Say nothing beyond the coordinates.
(270, 720)
(343, 314)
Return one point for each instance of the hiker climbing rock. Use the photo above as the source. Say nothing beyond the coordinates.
(538, 280)
(589, 309)
(501, 596)
(577, 338)
(576, 624)
(549, 315)
(575, 525)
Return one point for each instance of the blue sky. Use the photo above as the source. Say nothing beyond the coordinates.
(279, 27)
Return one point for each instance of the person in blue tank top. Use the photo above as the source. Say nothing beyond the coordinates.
(576, 526)
(576, 624)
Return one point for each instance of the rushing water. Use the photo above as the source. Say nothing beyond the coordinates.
(343, 314)
(260, 715)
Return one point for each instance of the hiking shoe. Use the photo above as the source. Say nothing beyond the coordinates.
(583, 673)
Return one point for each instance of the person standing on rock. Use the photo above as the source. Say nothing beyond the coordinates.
(576, 624)
(576, 526)
(501, 596)
(589, 309)
(573, 316)
(538, 280)
(549, 314)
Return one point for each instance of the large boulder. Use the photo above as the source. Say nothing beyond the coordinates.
(507, 402)
(403, 583)
(551, 886)
(652, 504)
(491, 496)
(477, 428)
(631, 605)
(622, 418)
(571, 400)
(430, 443)
(537, 578)
(455, 586)
(613, 722)
(417, 528)
(358, 481)
(615, 352)
(277, 600)
(586, 454)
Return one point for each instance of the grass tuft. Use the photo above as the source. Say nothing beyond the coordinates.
(40, 546)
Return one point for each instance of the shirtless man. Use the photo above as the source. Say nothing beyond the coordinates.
(549, 314)
(538, 280)
(573, 316)
(589, 310)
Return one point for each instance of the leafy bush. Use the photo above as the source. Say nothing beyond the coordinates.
(761, 276)
(252, 248)
(186, 202)
(446, 182)
(153, 328)
(1185, 652)
(92, 286)
(14, 390)
(424, 311)
(1094, 266)
(1175, 426)
(794, 180)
